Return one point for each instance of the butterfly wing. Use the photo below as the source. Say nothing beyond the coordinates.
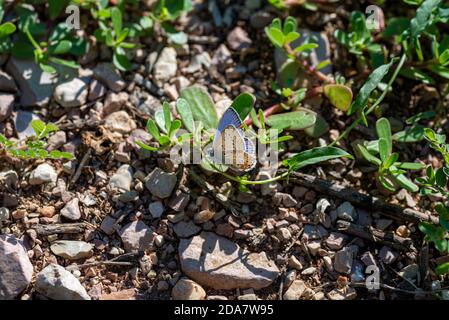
(230, 146)
(229, 118)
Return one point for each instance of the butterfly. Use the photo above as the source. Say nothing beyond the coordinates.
(230, 145)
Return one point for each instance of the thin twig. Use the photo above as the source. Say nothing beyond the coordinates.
(83, 162)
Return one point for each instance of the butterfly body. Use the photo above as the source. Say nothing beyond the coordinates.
(230, 146)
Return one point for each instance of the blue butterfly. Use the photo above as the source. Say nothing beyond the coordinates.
(230, 146)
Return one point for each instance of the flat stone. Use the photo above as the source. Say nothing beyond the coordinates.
(238, 39)
(7, 83)
(57, 283)
(203, 216)
(388, 255)
(410, 272)
(343, 260)
(186, 229)
(186, 289)
(160, 183)
(295, 291)
(36, 86)
(71, 210)
(347, 212)
(156, 209)
(166, 66)
(114, 102)
(108, 74)
(368, 259)
(96, 90)
(6, 105)
(16, 269)
(22, 123)
(335, 241)
(179, 201)
(108, 225)
(136, 236)
(219, 263)
(314, 232)
(120, 122)
(72, 93)
(9, 178)
(72, 250)
(122, 179)
(43, 173)
(342, 294)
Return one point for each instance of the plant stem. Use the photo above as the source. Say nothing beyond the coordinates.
(306, 66)
(376, 103)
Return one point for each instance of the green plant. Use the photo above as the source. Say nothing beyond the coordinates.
(6, 29)
(60, 42)
(113, 34)
(422, 30)
(163, 129)
(286, 4)
(435, 183)
(34, 146)
(391, 171)
(359, 40)
(282, 36)
(198, 116)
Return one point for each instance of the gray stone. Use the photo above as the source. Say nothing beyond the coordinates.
(198, 62)
(335, 241)
(137, 236)
(179, 201)
(410, 272)
(368, 259)
(343, 260)
(7, 83)
(260, 19)
(120, 122)
(186, 229)
(57, 283)
(166, 66)
(72, 250)
(295, 291)
(72, 93)
(160, 183)
(22, 123)
(108, 74)
(238, 39)
(186, 289)
(16, 269)
(342, 294)
(71, 210)
(156, 209)
(4, 214)
(383, 224)
(364, 218)
(122, 179)
(219, 263)
(43, 173)
(314, 232)
(96, 90)
(108, 225)
(388, 255)
(36, 86)
(6, 105)
(9, 178)
(347, 212)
